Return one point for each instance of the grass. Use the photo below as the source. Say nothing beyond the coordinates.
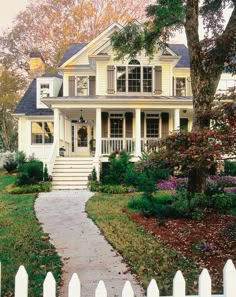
(147, 256)
(23, 242)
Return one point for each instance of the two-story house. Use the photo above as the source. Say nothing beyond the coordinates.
(98, 105)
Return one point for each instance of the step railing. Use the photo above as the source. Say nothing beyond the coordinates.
(179, 285)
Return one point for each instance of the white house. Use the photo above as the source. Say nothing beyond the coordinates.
(98, 105)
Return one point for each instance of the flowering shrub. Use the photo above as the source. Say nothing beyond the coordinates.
(230, 190)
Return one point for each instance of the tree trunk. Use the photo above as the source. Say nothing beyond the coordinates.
(197, 180)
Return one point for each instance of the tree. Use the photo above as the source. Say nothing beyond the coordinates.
(10, 86)
(208, 57)
(51, 25)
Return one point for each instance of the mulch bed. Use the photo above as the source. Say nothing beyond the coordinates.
(210, 242)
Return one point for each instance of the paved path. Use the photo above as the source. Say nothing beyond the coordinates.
(80, 244)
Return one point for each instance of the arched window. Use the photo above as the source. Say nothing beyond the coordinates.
(134, 62)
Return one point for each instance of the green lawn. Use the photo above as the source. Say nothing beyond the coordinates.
(146, 255)
(23, 242)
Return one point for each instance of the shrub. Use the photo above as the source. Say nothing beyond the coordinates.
(167, 184)
(230, 168)
(94, 186)
(21, 158)
(221, 202)
(30, 173)
(41, 187)
(114, 189)
(117, 168)
(94, 174)
(10, 163)
(45, 173)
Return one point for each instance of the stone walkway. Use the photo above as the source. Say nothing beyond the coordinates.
(80, 244)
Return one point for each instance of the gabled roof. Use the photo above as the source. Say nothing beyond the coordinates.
(28, 103)
(182, 51)
(73, 49)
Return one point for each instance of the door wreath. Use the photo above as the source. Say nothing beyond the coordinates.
(82, 133)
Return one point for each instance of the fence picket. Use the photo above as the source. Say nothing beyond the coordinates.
(74, 286)
(153, 290)
(229, 279)
(49, 286)
(21, 282)
(127, 290)
(179, 285)
(101, 290)
(204, 284)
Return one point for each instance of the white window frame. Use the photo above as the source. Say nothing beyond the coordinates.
(76, 80)
(175, 82)
(43, 134)
(141, 79)
(116, 115)
(152, 115)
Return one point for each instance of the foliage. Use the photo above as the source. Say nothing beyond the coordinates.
(147, 256)
(114, 189)
(117, 168)
(45, 173)
(64, 22)
(10, 85)
(24, 242)
(94, 174)
(10, 163)
(30, 173)
(21, 158)
(94, 186)
(230, 168)
(36, 188)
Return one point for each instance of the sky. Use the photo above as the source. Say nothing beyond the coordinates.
(9, 10)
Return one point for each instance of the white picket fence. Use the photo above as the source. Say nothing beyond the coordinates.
(204, 285)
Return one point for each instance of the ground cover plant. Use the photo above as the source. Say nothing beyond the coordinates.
(157, 248)
(23, 242)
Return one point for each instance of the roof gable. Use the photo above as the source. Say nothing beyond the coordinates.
(182, 51)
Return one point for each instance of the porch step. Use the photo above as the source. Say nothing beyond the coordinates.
(71, 173)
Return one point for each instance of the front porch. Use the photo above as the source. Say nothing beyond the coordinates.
(99, 132)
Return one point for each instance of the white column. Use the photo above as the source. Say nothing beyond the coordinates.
(137, 132)
(98, 132)
(57, 129)
(176, 119)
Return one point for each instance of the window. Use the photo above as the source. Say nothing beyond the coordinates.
(116, 125)
(152, 125)
(82, 86)
(180, 87)
(42, 132)
(44, 90)
(134, 78)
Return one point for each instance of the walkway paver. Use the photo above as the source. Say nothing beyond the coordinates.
(80, 244)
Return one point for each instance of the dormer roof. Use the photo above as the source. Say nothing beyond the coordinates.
(182, 51)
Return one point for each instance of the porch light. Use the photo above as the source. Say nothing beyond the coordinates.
(81, 119)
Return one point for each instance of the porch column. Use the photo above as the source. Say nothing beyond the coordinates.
(57, 129)
(176, 119)
(98, 132)
(137, 132)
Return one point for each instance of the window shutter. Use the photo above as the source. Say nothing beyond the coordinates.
(173, 86)
(142, 124)
(189, 87)
(71, 86)
(129, 124)
(165, 124)
(110, 79)
(158, 80)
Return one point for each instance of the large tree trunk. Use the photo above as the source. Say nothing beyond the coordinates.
(197, 180)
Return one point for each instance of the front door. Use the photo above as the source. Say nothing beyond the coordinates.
(81, 135)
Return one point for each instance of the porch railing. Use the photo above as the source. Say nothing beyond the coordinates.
(109, 145)
(52, 157)
(148, 144)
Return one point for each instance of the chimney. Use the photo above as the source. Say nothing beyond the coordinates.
(37, 64)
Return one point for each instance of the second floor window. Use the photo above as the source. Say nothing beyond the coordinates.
(180, 86)
(82, 85)
(134, 78)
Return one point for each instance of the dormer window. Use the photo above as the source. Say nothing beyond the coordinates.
(44, 90)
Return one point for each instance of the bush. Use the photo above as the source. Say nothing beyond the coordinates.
(117, 168)
(114, 189)
(30, 173)
(10, 163)
(41, 187)
(221, 202)
(230, 168)
(93, 175)
(21, 158)
(94, 186)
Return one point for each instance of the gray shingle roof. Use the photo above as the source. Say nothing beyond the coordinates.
(71, 51)
(182, 51)
(27, 105)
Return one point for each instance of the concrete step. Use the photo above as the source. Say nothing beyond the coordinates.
(71, 174)
(70, 183)
(70, 178)
(71, 170)
(64, 187)
(82, 159)
(75, 166)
